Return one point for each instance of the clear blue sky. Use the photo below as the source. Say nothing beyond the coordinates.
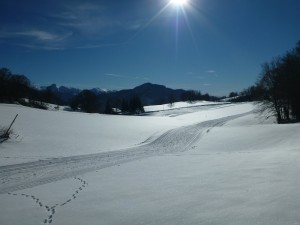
(214, 46)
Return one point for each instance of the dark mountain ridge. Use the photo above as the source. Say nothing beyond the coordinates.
(66, 94)
(149, 93)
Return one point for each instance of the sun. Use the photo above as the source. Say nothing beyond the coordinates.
(179, 2)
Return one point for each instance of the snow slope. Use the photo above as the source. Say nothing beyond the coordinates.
(218, 165)
(42, 134)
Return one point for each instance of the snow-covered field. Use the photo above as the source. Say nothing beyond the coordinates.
(191, 164)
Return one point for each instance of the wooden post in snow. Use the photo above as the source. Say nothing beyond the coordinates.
(7, 132)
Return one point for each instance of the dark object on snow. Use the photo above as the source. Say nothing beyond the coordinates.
(5, 136)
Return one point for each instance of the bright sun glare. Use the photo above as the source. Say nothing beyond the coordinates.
(179, 2)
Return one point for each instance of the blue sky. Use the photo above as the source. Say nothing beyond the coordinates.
(214, 46)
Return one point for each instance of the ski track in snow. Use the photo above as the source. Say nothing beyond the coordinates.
(174, 112)
(27, 175)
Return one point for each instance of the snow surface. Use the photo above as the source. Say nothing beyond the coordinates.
(42, 134)
(178, 105)
(210, 165)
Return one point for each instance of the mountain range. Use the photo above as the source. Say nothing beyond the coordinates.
(149, 93)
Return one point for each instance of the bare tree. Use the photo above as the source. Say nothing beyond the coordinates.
(280, 82)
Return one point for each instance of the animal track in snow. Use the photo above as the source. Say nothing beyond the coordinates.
(51, 210)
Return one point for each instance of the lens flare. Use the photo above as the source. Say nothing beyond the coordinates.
(179, 2)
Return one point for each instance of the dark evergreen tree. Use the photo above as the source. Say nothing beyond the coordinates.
(233, 94)
(191, 96)
(136, 106)
(124, 106)
(86, 101)
(108, 108)
(171, 100)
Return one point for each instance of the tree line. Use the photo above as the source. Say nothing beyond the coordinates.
(278, 87)
(133, 105)
(89, 102)
(15, 88)
(192, 96)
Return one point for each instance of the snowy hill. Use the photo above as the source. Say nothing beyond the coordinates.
(206, 164)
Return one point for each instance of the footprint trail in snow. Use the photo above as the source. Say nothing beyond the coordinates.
(51, 210)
